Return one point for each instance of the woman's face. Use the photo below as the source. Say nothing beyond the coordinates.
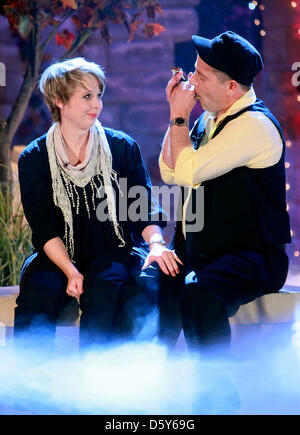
(84, 106)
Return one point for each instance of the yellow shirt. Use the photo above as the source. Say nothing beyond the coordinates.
(250, 140)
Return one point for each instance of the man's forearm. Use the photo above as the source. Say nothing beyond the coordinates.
(176, 138)
(179, 139)
(181, 97)
(166, 149)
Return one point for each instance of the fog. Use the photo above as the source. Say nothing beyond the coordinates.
(261, 377)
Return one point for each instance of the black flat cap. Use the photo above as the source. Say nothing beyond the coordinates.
(231, 54)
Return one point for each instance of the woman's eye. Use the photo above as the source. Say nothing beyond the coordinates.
(87, 96)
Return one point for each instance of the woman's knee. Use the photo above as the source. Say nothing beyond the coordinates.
(42, 290)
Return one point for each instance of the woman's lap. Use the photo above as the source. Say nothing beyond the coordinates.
(114, 286)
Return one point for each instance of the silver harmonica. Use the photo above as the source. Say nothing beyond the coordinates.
(177, 69)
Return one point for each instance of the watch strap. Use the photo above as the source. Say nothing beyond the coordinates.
(179, 121)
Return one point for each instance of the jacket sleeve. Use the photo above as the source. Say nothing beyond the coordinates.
(44, 218)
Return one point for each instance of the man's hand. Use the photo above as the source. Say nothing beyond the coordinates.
(165, 258)
(181, 97)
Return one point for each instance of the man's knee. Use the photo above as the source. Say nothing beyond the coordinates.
(201, 292)
(148, 279)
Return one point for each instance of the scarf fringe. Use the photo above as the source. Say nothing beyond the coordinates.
(65, 179)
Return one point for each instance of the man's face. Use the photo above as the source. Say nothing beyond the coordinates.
(211, 92)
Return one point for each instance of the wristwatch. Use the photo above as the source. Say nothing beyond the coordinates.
(179, 121)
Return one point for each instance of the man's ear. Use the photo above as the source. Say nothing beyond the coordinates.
(232, 85)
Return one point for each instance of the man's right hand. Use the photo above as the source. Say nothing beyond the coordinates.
(181, 96)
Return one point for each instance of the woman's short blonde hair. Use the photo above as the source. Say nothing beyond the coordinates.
(59, 81)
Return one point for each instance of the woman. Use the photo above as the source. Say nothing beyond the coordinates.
(82, 249)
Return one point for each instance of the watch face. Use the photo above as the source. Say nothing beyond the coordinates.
(180, 121)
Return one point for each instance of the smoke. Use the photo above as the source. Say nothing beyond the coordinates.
(128, 379)
(262, 377)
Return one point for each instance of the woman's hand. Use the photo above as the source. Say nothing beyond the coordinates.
(165, 258)
(75, 284)
(56, 251)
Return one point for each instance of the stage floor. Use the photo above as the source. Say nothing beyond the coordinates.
(262, 376)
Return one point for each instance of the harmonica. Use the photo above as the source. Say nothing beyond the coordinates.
(177, 69)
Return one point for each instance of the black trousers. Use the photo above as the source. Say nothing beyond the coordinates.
(119, 300)
(204, 295)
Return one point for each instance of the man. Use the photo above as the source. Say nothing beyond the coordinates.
(235, 153)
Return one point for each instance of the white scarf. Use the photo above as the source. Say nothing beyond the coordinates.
(65, 178)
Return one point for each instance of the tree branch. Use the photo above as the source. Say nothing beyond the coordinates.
(53, 32)
(82, 37)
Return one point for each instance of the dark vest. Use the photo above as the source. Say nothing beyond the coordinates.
(244, 209)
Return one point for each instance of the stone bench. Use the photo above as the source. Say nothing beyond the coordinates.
(66, 327)
(273, 308)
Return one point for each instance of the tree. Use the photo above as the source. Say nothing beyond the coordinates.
(37, 22)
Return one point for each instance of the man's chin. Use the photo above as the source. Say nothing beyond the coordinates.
(202, 104)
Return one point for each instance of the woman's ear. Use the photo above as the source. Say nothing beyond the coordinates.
(58, 103)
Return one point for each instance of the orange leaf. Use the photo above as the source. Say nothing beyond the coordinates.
(72, 4)
(153, 29)
(76, 22)
(65, 38)
(134, 25)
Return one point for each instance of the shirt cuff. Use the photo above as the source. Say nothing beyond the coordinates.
(167, 174)
(184, 169)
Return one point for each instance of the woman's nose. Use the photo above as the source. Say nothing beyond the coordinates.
(97, 102)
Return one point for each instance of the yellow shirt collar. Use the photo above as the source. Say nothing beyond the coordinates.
(245, 100)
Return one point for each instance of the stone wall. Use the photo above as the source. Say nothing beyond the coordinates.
(137, 74)
(280, 50)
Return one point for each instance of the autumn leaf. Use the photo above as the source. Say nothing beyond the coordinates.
(8, 10)
(76, 22)
(159, 10)
(72, 4)
(104, 30)
(66, 38)
(24, 27)
(153, 29)
(134, 25)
